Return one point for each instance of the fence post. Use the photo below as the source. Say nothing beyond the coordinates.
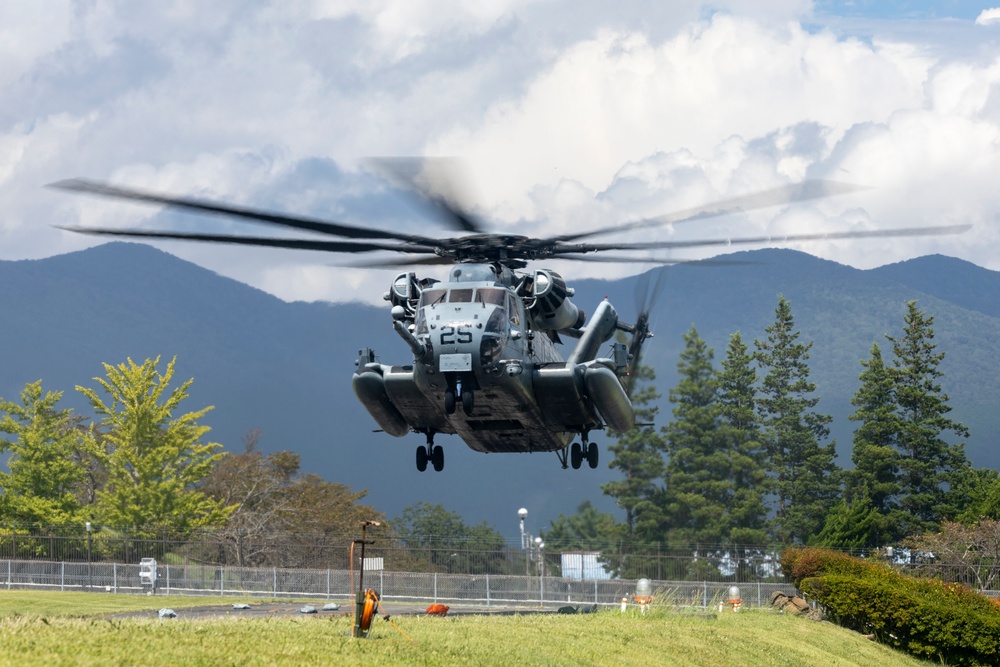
(328, 583)
(435, 587)
(487, 589)
(704, 594)
(222, 580)
(8, 574)
(115, 572)
(274, 584)
(168, 580)
(62, 575)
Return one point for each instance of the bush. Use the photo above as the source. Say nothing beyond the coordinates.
(926, 618)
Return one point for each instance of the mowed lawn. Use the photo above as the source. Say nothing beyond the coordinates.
(39, 628)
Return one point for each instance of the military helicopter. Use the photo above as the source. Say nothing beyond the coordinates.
(485, 342)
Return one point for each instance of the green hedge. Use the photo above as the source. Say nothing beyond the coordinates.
(927, 618)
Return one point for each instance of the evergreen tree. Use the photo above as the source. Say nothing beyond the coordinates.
(740, 434)
(875, 460)
(873, 482)
(152, 459)
(587, 530)
(806, 480)
(698, 475)
(638, 455)
(929, 466)
(854, 524)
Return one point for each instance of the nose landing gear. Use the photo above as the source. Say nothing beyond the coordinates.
(450, 398)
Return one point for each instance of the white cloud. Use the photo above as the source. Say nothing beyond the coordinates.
(988, 16)
(570, 115)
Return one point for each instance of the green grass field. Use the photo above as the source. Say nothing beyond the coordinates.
(38, 628)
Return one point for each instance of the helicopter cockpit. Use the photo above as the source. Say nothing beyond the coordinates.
(499, 302)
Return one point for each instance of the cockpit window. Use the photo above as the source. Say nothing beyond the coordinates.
(515, 316)
(460, 296)
(491, 296)
(430, 297)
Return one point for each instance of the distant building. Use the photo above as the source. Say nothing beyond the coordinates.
(583, 565)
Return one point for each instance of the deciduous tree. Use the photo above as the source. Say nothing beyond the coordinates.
(153, 459)
(45, 478)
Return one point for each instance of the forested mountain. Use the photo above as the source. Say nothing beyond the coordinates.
(285, 367)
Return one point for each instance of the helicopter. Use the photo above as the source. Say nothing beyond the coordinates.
(485, 342)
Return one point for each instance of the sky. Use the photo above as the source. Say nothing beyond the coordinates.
(561, 115)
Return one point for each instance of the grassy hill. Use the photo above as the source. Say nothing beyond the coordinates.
(62, 628)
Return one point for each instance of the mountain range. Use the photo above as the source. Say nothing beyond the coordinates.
(285, 368)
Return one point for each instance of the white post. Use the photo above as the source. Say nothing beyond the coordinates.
(62, 576)
(115, 573)
(487, 589)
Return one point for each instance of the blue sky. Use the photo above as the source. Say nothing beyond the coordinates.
(902, 9)
(567, 114)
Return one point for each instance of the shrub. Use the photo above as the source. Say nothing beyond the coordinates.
(926, 618)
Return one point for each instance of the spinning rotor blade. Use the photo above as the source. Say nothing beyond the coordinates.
(436, 182)
(295, 244)
(786, 194)
(777, 238)
(436, 260)
(646, 298)
(215, 208)
(622, 259)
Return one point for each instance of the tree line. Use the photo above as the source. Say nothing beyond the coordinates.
(143, 471)
(746, 458)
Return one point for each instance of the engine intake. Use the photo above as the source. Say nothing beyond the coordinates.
(552, 308)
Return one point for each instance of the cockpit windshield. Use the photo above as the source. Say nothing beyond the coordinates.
(430, 297)
(491, 296)
(463, 295)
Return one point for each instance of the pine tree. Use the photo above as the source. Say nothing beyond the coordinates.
(873, 482)
(638, 455)
(928, 464)
(875, 460)
(740, 435)
(698, 481)
(805, 477)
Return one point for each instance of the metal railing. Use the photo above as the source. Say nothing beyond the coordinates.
(479, 590)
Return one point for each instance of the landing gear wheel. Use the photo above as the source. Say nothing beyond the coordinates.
(467, 402)
(437, 458)
(592, 455)
(576, 455)
(449, 401)
(422, 458)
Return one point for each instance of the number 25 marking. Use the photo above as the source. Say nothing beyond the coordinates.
(452, 335)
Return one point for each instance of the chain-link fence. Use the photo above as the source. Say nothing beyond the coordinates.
(480, 590)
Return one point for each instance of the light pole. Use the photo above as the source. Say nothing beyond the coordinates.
(522, 514)
(539, 546)
(90, 574)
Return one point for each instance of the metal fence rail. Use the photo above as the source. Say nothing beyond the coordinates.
(485, 590)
